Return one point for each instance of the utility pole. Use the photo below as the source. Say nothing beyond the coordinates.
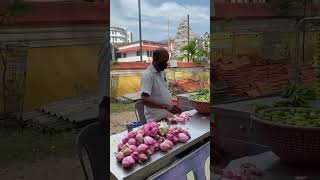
(169, 37)
(140, 31)
(188, 36)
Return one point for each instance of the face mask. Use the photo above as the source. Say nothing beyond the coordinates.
(162, 66)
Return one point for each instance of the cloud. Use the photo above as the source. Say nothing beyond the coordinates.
(124, 13)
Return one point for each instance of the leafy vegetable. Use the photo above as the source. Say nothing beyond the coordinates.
(297, 95)
(203, 95)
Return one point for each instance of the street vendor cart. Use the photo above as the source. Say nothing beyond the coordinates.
(159, 163)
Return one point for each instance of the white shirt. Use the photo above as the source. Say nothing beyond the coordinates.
(154, 84)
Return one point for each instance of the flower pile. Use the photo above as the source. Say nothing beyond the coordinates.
(138, 146)
(247, 171)
(180, 119)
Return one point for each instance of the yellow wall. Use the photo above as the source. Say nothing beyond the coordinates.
(54, 72)
(241, 43)
(131, 83)
(128, 84)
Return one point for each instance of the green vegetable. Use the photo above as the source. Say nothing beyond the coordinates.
(298, 117)
(203, 95)
(297, 95)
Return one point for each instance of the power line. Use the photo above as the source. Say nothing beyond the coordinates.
(189, 10)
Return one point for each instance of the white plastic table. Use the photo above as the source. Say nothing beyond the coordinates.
(199, 128)
(273, 168)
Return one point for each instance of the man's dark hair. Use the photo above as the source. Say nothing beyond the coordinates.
(158, 52)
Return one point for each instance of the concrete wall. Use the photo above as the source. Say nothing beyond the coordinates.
(266, 44)
(54, 73)
(61, 62)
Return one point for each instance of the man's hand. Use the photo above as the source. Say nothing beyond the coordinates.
(173, 109)
(153, 104)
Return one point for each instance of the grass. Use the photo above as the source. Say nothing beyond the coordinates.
(116, 107)
(28, 145)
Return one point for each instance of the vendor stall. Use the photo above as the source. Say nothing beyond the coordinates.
(199, 130)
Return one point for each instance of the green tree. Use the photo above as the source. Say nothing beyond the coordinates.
(13, 9)
(195, 52)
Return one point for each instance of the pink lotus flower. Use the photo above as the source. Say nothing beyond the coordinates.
(149, 140)
(186, 132)
(132, 141)
(161, 139)
(150, 150)
(156, 146)
(139, 138)
(133, 148)
(165, 146)
(151, 129)
(132, 134)
(120, 145)
(141, 131)
(127, 162)
(135, 156)
(120, 156)
(183, 137)
(157, 137)
(175, 139)
(168, 142)
(169, 136)
(142, 148)
(142, 158)
(125, 139)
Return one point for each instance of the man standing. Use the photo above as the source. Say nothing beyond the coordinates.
(156, 96)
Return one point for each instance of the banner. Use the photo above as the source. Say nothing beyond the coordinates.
(195, 166)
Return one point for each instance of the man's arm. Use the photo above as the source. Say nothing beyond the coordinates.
(153, 104)
(147, 101)
(146, 87)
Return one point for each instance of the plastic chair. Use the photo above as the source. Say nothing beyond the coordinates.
(139, 111)
(94, 143)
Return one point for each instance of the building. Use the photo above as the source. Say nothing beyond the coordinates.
(131, 52)
(255, 28)
(63, 42)
(241, 1)
(120, 35)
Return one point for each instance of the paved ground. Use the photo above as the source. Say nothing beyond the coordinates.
(48, 169)
(119, 121)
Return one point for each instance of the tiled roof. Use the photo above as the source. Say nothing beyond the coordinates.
(61, 14)
(137, 48)
(145, 42)
(144, 65)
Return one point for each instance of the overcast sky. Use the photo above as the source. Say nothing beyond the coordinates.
(155, 15)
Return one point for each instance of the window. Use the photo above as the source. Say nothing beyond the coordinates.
(149, 53)
(138, 53)
(115, 39)
(118, 55)
(124, 55)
